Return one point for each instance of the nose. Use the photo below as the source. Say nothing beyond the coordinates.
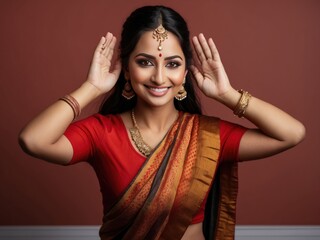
(158, 77)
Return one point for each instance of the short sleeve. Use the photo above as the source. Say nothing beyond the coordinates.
(230, 137)
(84, 136)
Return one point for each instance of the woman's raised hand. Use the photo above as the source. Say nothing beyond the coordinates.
(102, 74)
(209, 72)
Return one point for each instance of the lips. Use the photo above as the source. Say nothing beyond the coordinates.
(158, 91)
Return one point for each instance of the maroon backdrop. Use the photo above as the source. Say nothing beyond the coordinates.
(270, 48)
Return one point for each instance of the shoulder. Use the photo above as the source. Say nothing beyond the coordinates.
(211, 119)
(100, 118)
(231, 133)
(98, 122)
(201, 117)
(225, 128)
(223, 124)
(204, 123)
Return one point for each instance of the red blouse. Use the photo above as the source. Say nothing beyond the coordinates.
(103, 141)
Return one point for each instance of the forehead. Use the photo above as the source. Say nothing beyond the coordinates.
(147, 44)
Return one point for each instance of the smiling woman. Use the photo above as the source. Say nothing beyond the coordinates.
(157, 79)
(165, 170)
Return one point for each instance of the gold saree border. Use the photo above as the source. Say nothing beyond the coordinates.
(226, 220)
(205, 159)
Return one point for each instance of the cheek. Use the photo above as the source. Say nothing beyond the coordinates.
(177, 77)
(139, 74)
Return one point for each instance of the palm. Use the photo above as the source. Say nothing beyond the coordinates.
(101, 73)
(210, 74)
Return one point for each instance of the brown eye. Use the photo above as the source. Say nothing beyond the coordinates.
(173, 64)
(144, 62)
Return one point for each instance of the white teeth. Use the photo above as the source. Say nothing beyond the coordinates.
(159, 89)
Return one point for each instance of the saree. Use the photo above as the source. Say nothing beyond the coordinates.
(170, 187)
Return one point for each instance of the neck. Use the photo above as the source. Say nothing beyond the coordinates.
(157, 118)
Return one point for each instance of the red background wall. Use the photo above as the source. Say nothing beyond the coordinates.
(270, 48)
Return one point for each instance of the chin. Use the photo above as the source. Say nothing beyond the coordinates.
(159, 102)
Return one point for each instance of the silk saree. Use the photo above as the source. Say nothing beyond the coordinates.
(170, 187)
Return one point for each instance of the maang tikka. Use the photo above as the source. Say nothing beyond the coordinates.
(160, 34)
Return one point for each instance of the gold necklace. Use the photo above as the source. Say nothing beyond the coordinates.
(136, 137)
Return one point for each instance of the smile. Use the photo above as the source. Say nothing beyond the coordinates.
(158, 91)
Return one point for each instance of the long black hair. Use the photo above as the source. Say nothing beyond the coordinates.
(147, 19)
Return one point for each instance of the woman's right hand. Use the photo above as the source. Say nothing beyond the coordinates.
(102, 74)
(43, 137)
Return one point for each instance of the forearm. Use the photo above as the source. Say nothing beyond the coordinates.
(269, 119)
(48, 127)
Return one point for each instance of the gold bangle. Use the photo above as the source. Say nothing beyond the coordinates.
(243, 103)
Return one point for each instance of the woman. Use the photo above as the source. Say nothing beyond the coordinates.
(165, 170)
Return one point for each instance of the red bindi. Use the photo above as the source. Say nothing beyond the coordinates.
(160, 54)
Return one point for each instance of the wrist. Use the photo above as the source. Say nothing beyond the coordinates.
(242, 104)
(90, 89)
(230, 98)
(236, 100)
(85, 94)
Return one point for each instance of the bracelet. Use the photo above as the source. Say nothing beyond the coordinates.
(243, 103)
(73, 103)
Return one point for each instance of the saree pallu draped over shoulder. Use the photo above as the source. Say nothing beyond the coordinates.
(170, 187)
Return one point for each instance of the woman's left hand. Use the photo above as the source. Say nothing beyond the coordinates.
(209, 74)
(277, 130)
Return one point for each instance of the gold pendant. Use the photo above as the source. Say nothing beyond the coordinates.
(160, 34)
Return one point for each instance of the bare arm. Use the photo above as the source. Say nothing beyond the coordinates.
(276, 130)
(43, 136)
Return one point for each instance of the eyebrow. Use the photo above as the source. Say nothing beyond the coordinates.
(153, 57)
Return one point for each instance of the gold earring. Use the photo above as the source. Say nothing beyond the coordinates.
(127, 91)
(182, 94)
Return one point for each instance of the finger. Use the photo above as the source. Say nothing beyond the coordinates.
(214, 50)
(106, 44)
(100, 45)
(110, 49)
(205, 47)
(197, 74)
(195, 58)
(198, 49)
(110, 43)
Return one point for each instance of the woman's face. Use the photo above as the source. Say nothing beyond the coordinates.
(157, 76)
